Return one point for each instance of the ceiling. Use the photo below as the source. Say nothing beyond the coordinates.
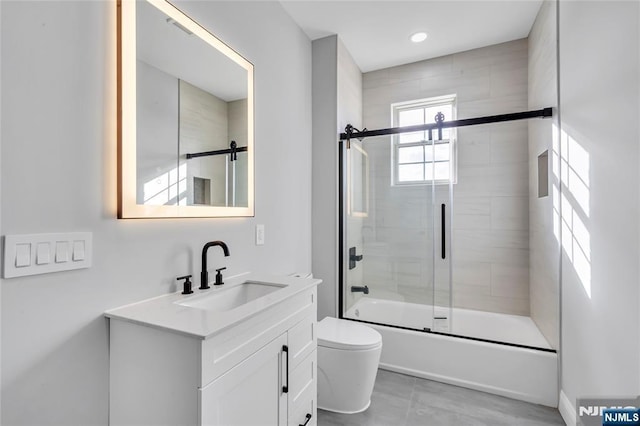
(376, 33)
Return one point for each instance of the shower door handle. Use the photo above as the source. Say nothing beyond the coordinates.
(443, 232)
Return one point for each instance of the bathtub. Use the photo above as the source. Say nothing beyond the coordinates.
(517, 370)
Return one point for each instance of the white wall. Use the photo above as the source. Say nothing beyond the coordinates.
(58, 174)
(1, 280)
(337, 101)
(325, 173)
(350, 112)
(544, 271)
(349, 90)
(599, 84)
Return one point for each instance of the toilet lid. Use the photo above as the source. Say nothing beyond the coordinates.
(343, 334)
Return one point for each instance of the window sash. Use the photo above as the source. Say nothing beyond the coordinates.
(425, 108)
(426, 163)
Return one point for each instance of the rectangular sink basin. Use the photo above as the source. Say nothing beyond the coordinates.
(229, 298)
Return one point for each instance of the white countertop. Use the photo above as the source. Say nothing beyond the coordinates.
(165, 312)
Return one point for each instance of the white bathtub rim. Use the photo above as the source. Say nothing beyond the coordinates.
(534, 399)
(442, 335)
(534, 339)
(476, 340)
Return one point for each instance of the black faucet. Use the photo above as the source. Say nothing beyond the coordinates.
(204, 275)
(357, 289)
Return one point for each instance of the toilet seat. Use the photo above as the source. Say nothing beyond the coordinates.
(347, 335)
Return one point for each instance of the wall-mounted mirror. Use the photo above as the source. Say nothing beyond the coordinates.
(186, 117)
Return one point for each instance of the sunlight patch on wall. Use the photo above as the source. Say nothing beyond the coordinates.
(555, 190)
(575, 161)
(169, 188)
(570, 166)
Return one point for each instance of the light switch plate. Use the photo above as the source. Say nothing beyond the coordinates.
(46, 253)
(259, 235)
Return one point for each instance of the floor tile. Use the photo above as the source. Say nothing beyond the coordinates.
(401, 400)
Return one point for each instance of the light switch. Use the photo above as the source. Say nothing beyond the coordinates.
(31, 254)
(62, 251)
(23, 255)
(43, 253)
(78, 251)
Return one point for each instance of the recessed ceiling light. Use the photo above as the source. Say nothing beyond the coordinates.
(418, 37)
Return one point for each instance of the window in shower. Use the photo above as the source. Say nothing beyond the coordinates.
(416, 159)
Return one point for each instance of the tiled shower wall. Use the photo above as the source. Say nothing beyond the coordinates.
(490, 228)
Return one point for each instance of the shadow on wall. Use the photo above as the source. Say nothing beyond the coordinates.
(570, 165)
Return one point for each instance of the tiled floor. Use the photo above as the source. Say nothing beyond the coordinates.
(400, 400)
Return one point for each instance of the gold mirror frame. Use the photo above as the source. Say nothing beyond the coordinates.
(127, 148)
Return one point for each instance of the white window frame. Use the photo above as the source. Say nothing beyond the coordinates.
(395, 140)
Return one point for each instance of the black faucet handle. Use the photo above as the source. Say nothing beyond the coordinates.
(187, 284)
(219, 276)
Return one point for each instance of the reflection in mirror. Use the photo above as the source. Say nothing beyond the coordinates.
(187, 146)
(359, 175)
(209, 127)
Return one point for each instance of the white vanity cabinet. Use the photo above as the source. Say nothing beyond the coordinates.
(260, 371)
(250, 393)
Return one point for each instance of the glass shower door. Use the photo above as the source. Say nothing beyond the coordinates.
(442, 263)
(388, 235)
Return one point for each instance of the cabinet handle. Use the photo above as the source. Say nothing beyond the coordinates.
(442, 232)
(308, 417)
(285, 349)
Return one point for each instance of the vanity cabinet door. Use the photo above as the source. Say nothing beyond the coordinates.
(303, 392)
(302, 340)
(250, 393)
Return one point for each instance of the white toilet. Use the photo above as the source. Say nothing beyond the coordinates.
(348, 356)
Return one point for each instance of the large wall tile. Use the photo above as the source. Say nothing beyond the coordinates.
(489, 230)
